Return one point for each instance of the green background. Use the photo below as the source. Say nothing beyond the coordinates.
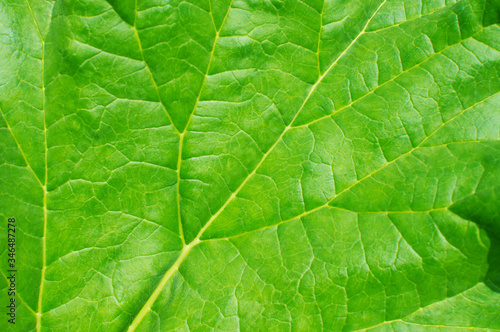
(251, 165)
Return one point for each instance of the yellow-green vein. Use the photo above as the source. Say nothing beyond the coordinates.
(138, 39)
(44, 187)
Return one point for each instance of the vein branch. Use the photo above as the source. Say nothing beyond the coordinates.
(17, 295)
(20, 149)
(136, 34)
(416, 312)
(393, 79)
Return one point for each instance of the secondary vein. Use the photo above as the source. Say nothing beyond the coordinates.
(393, 79)
(20, 149)
(136, 34)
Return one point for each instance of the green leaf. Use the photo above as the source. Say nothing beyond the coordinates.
(251, 165)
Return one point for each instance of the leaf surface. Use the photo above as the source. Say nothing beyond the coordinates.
(251, 165)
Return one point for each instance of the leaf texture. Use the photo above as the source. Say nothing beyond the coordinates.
(251, 164)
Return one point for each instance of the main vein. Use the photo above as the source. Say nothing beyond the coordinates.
(44, 186)
(187, 248)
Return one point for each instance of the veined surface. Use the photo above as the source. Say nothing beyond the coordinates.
(251, 165)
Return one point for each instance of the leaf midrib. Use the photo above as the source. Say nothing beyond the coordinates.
(44, 186)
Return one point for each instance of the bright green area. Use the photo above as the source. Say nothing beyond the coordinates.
(267, 165)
